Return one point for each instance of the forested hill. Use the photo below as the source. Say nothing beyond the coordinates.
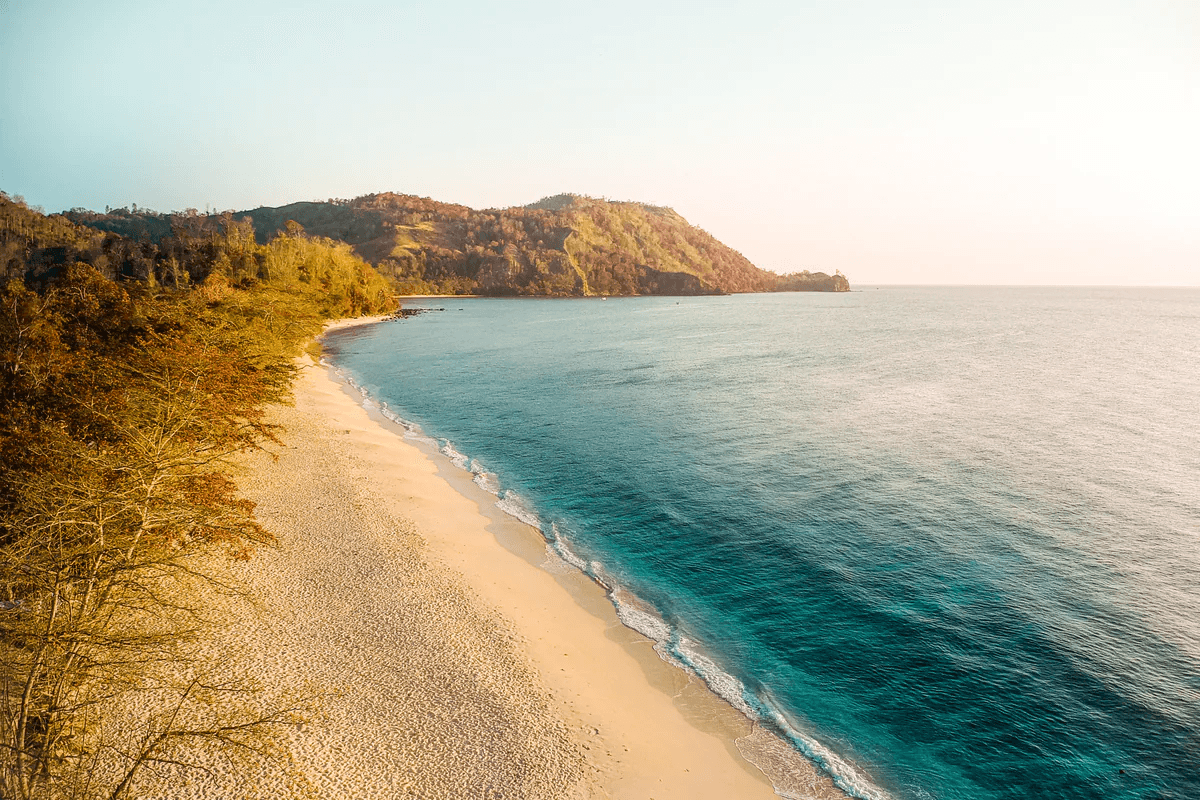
(132, 373)
(147, 253)
(565, 245)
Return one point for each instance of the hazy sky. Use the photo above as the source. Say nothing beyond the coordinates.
(901, 142)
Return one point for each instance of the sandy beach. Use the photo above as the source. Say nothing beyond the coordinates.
(451, 656)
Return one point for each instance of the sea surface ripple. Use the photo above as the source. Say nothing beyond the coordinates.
(947, 540)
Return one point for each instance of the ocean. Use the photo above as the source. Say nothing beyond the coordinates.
(946, 541)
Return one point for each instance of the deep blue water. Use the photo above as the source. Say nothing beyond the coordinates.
(950, 534)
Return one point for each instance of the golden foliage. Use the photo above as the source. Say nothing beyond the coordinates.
(121, 404)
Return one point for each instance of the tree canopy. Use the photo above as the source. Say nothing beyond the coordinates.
(130, 373)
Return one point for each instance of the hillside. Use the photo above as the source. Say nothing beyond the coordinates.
(566, 245)
(149, 252)
(132, 374)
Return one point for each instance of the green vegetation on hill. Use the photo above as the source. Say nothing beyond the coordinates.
(566, 245)
(189, 249)
(130, 373)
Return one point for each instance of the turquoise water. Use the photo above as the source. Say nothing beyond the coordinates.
(946, 540)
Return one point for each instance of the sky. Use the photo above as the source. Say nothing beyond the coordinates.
(910, 142)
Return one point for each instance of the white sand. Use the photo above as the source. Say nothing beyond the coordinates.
(451, 664)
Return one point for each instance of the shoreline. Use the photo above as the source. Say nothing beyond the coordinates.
(438, 648)
(625, 690)
(629, 729)
(352, 322)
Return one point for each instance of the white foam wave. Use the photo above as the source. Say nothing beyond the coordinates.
(458, 459)
(554, 564)
(487, 481)
(564, 550)
(846, 776)
(636, 615)
(667, 654)
(724, 685)
(512, 505)
(600, 575)
(411, 429)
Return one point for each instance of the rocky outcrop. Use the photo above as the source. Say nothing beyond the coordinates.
(812, 282)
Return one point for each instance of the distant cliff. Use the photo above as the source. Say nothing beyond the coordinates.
(566, 245)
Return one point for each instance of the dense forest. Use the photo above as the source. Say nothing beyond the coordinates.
(131, 371)
(565, 245)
